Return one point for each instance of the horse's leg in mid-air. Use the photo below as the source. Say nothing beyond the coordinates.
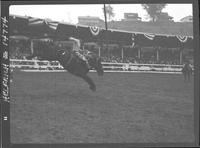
(89, 81)
(185, 76)
(189, 76)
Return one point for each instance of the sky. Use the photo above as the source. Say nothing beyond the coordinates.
(70, 13)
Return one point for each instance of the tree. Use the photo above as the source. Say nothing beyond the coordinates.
(154, 10)
(109, 12)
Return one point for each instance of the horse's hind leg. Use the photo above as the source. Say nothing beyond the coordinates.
(90, 82)
(185, 77)
(189, 77)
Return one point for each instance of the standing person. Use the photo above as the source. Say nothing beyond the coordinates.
(187, 71)
(78, 51)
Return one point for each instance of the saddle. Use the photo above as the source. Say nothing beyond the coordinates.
(82, 57)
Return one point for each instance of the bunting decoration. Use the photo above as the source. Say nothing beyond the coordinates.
(133, 40)
(34, 21)
(182, 39)
(149, 36)
(35, 27)
(94, 30)
(52, 25)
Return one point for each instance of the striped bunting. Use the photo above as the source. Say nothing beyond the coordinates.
(53, 25)
(133, 40)
(94, 30)
(34, 21)
(149, 36)
(182, 39)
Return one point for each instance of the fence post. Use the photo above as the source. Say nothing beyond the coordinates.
(139, 53)
(32, 46)
(181, 56)
(122, 53)
(157, 54)
(99, 51)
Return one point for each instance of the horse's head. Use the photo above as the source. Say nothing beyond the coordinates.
(95, 62)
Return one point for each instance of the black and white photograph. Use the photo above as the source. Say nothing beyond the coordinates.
(101, 73)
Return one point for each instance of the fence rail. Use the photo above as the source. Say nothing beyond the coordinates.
(55, 65)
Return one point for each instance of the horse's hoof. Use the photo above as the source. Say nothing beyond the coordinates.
(93, 88)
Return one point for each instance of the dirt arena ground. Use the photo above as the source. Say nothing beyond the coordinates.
(127, 107)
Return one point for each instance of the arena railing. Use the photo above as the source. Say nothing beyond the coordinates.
(118, 67)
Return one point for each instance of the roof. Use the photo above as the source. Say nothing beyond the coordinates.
(88, 17)
(38, 28)
(166, 28)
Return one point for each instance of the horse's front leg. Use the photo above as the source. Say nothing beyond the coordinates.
(89, 81)
(189, 76)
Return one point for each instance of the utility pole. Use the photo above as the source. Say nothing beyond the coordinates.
(106, 26)
(104, 5)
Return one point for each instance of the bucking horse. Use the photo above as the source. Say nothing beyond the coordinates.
(70, 62)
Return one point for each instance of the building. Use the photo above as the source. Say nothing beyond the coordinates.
(187, 19)
(164, 24)
(90, 21)
(131, 17)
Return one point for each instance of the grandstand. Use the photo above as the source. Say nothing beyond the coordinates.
(114, 46)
